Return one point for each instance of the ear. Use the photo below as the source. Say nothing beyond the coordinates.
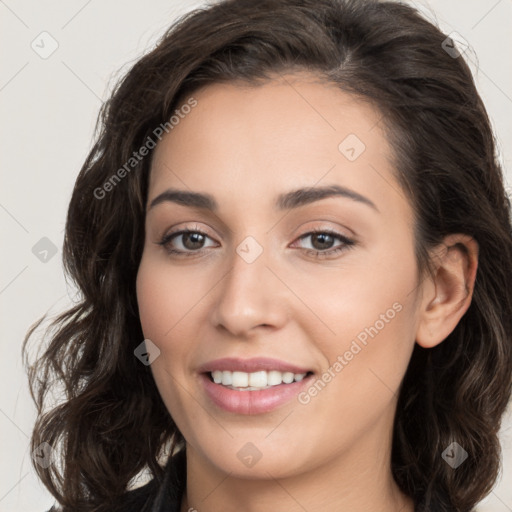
(447, 296)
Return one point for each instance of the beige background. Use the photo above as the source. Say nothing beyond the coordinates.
(48, 108)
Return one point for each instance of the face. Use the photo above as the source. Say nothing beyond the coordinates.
(271, 282)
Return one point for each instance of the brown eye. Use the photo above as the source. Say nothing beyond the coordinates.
(192, 240)
(322, 243)
(185, 242)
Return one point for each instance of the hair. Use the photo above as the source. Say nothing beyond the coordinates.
(112, 423)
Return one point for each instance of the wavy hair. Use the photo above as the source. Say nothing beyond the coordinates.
(111, 423)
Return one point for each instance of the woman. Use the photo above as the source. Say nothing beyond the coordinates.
(292, 241)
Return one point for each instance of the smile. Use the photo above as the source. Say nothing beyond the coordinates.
(243, 381)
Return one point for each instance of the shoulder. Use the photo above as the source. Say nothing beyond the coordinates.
(157, 495)
(141, 498)
(134, 500)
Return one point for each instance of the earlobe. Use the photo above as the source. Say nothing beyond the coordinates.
(451, 289)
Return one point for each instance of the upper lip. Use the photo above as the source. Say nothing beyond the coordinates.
(255, 364)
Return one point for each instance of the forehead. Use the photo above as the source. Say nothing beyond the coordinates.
(292, 130)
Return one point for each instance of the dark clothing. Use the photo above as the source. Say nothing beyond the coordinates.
(155, 497)
(164, 497)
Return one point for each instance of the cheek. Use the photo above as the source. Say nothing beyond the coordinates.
(166, 309)
(163, 299)
(365, 364)
(370, 313)
(160, 312)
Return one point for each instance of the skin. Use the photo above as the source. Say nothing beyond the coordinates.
(244, 146)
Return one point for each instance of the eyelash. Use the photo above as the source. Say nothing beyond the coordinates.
(347, 243)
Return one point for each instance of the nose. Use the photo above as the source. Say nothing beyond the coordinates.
(250, 298)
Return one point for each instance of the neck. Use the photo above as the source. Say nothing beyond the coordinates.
(358, 480)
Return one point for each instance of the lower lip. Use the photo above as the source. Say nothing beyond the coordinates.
(252, 402)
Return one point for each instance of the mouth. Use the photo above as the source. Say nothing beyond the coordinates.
(253, 392)
(252, 386)
(254, 381)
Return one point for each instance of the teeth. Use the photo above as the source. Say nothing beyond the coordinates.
(240, 379)
(255, 380)
(288, 377)
(226, 378)
(274, 378)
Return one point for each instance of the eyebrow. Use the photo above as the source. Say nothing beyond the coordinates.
(286, 201)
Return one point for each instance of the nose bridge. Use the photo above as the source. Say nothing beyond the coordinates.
(249, 295)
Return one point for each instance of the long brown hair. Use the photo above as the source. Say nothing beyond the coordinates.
(112, 422)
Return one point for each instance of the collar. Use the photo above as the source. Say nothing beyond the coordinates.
(170, 491)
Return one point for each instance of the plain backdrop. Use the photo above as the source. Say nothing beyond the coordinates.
(48, 109)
